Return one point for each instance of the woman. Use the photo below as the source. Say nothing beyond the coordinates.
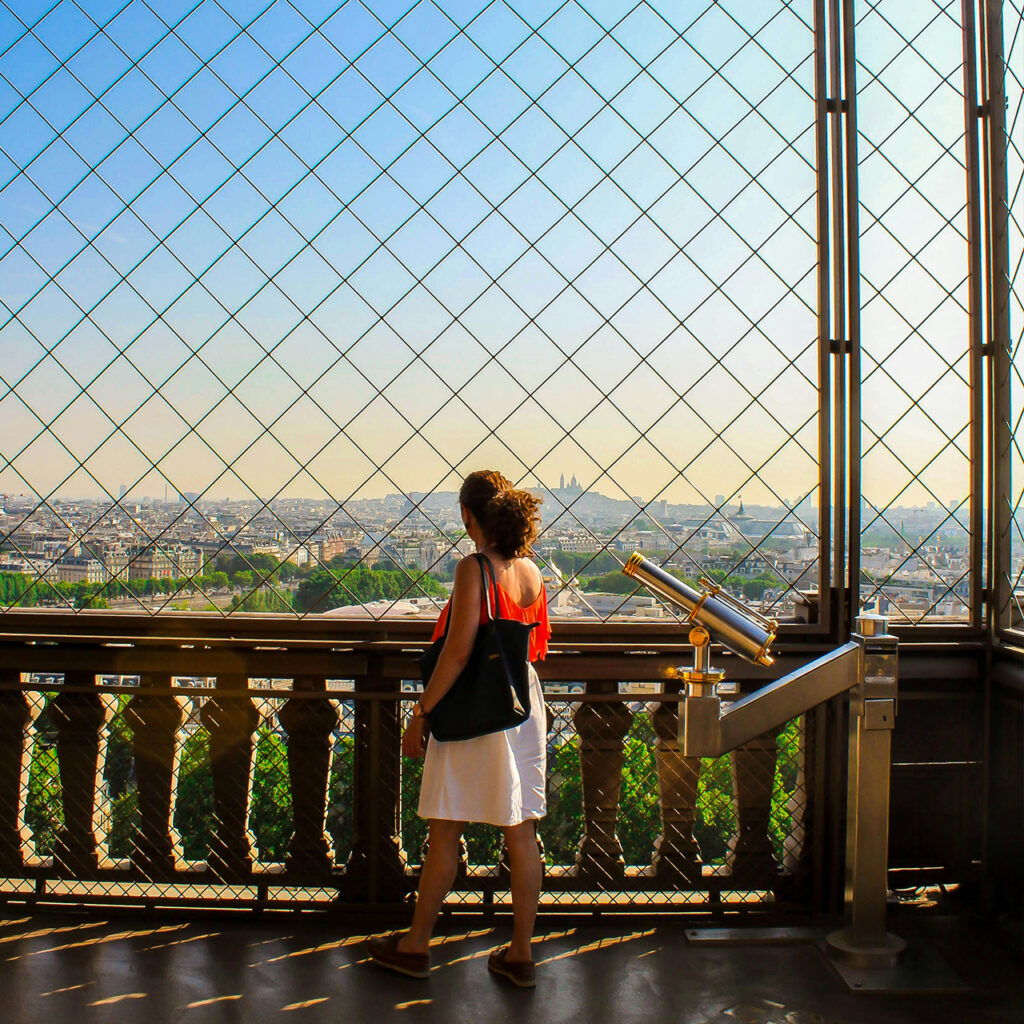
(498, 778)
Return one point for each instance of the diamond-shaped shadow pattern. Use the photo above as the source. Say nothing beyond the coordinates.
(270, 277)
(914, 311)
(1013, 85)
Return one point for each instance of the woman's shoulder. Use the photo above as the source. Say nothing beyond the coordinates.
(529, 577)
(530, 570)
(467, 565)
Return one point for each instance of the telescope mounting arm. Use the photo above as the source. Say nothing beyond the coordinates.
(705, 730)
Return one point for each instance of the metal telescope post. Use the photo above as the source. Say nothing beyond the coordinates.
(865, 941)
(866, 666)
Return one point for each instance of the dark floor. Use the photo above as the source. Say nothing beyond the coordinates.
(95, 967)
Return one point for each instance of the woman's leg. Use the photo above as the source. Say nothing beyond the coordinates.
(527, 877)
(436, 878)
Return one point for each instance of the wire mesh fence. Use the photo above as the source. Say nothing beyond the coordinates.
(916, 377)
(1010, 538)
(296, 268)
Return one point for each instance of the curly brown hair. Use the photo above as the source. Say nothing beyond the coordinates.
(507, 516)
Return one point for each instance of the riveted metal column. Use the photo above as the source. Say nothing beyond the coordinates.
(1001, 500)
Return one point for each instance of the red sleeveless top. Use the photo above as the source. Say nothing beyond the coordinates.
(508, 609)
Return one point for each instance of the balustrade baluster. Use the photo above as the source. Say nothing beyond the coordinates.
(155, 717)
(751, 856)
(602, 727)
(18, 711)
(79, 848)
(375, 870)
(676, 853)
(308, 724)
(231, 722)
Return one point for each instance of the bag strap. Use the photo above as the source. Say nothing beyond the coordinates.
(490, 593)
(490, 586)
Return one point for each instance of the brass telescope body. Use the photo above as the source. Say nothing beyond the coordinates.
(744, 632)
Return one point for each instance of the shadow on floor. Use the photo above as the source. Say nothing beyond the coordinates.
(300, 968)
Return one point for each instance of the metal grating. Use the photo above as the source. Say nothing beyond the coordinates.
(1013, 87)
(915, 561)
(310, 255)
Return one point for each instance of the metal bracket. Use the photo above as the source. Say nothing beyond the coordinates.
(880, 714)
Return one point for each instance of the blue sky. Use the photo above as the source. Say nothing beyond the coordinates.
(556, 239)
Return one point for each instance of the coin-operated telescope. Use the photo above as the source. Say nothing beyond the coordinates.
(709, 611)
(866, 666)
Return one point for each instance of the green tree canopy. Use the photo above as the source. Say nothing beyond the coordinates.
(322, 590)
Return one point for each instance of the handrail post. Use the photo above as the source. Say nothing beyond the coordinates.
(81, 718)
(375, 870)
(751, 856)
(865, 941)
(602, 728)
(677, 857)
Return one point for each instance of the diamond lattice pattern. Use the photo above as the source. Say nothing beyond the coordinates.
(914, 310)
(1013, 84)
(275, 277)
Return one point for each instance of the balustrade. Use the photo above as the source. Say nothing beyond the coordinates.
(377, 871)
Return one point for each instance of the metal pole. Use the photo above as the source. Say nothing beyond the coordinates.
(975, 269)
(826, 576)
(853, 307)
(865, 941)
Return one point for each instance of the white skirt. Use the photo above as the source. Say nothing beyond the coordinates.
(498, 778)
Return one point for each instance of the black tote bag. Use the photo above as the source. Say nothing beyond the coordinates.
(492, 692)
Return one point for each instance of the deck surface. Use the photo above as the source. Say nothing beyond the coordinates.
(96, 967)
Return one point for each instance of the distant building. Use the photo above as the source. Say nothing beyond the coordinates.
(162, 563)
(81, 570)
